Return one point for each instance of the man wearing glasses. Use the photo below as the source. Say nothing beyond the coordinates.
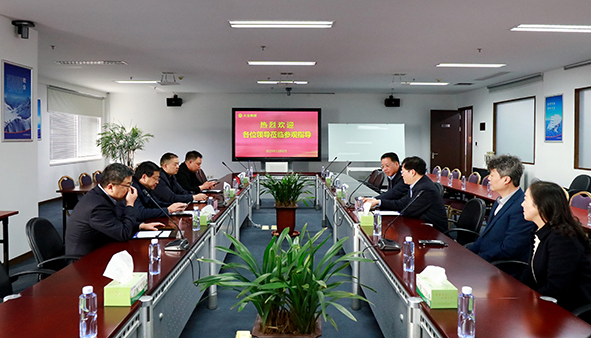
(94, 221)
(396, 187)
(168, 189)
(146, 177)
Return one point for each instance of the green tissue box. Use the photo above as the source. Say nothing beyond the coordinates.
(117, 294)
(203, 219)
(366, 222)
(328, 181)
(437, 296)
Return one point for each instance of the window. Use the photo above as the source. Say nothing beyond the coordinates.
(583, 128)
(514, 123)
(74, 125)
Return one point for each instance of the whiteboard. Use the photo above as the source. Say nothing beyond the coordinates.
(515, 128)
(365, 142)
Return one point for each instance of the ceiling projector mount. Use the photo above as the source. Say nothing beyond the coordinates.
(165, 80)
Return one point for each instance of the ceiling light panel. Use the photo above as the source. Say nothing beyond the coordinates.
(426, 83)
(274, 82)
(281, 63)
(471, 65)
(91, 63)
(136, 81)
(280, 24)
(552, 28)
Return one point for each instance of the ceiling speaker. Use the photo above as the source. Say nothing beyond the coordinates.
(392, 102)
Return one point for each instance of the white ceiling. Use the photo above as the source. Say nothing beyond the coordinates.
(369, 42)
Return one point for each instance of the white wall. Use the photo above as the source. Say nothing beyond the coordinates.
(553, 161)
(50, 174)
(204, 122)
(18, 186)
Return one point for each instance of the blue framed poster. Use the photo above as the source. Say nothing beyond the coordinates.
(39, 119)
(553, 119)
(17, 102)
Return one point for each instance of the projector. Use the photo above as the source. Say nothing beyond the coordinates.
(174, 101)
(392, 102)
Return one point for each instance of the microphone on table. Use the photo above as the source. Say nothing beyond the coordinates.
(385, 244)
(245, 168)
(225, 165)
(357, 188)
(339, 174)
(331, 162)
(178, 244)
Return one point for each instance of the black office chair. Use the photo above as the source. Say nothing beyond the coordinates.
(6, 280)
(440, 187)
(47, 245)
(580, 183)
(512, 267)
(70, 200)
(375, 180)
(467, 227)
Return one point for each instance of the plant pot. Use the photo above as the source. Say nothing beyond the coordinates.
(256, 331)
(286, 218)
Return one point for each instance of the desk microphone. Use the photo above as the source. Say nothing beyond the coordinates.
(178, 244)
(231, 171)
(385, 244)
(245, 168)
(357, 188)
(331, 162)
(339, 174)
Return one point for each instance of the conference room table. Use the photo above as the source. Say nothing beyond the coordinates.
(50, 307)
(4, 241)
(504, 306)
(473, 189)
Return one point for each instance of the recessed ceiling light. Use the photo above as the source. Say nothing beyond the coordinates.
(136, 81)
(472, 65)
(281, 63)
(271, 82)
(280, 24)
(552, 28)
(91, 63)
(425, 83)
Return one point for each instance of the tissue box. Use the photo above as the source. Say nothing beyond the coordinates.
(366, 222)
(328, 179)
(203, 219)
(117, 294)
(437, 296)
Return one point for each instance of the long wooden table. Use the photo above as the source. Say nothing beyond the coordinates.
(474, 189)
(504, 306)
(49, 308)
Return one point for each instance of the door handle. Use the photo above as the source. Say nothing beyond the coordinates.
(433, 155)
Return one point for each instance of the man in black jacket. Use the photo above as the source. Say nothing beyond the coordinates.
(396, 186)
(168, 189)
(94, 221)
(190, 175)
(146, 177)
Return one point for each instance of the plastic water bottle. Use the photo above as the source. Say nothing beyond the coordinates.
(439, 176)
(196, 220)
(377, 223)
(488, 189)
(463, 182)
(323, 172)
(409, 254)
(450, 181)
(251, 173)
(155, 261)
(466, 314)
(589, 215)
(359, 203)
(87, 307)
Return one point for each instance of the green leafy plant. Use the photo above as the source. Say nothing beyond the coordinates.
(289, 290)
(120, 144)
(288, 190)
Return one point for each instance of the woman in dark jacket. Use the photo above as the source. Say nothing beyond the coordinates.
(561, 264)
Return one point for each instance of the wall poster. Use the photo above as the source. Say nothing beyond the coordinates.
(17, 102)
(553, 119)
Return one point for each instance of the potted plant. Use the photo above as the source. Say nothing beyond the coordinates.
(120, 144)
(287, 192)
(291, 290)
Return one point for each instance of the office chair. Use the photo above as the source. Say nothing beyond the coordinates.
(467, 227)
(375, 180)
(580, 183)
(96, 176)
(46, 244)
(474, 178)
(70, 200)
(445, 172)
(512, 267)
(581, 200)
(440, 187)
(84, 179)
(6, 280)
(456, 173)
(436, 170)
(485, 180)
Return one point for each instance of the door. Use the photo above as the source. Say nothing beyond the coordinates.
(446, 139)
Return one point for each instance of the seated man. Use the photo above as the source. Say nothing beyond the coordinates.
(396, 186)
(168, 189)
(94, 221)
(507, 234)
(146, 177)
(428, 206)
(190, 175)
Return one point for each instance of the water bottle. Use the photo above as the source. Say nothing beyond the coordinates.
(450, 181)
(463, 182)
(409, 254)
(439, 176)
(210, 201)
(466, 319)
(359, 203)
(154, 252)
(196, 220)
(377, 223)
(251, 173)
(87, 307)
(589, 215)
(323, 172)
(488, 189)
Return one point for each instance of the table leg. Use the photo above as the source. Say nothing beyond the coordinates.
(64, 214)
(5, 242)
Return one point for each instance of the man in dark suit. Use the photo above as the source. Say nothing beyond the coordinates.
(94, 221)
(190, 175)
(507, 236)
(396, 186)
(168, 189)
(146, 177)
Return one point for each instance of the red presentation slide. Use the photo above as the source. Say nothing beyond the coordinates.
(276, 133)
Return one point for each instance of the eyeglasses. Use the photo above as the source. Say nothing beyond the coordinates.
(125, 185)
